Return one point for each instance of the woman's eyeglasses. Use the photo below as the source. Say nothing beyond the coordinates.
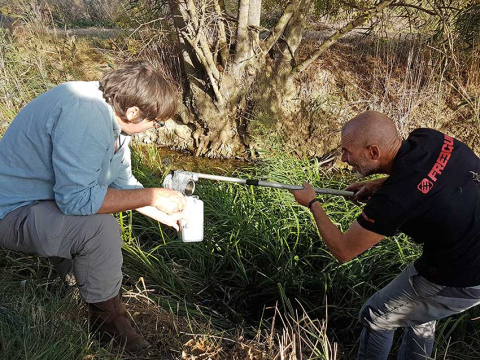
(158, 123)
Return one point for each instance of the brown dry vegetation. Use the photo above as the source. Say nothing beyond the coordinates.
(416, 83)
(406, 78)
(32, 61)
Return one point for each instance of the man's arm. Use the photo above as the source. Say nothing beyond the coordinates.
(343, 246)
(157, 215)
(165, 200)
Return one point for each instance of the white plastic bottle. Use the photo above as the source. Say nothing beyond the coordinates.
(192, 229)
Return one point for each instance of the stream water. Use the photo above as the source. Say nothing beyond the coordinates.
(178, 160)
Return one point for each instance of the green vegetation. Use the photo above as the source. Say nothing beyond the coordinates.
(261, 261)
(36, 321)
(262, 284)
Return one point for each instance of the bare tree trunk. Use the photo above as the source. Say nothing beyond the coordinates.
(219, 80)
(254, 15)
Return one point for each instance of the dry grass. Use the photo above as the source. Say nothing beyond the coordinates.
(33, 59)
(293, 336)
(406, 77)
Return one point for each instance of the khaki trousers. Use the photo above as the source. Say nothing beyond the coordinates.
(90, 245)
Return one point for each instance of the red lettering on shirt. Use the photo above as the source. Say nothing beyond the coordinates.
(437, 169)
(443, 158)
(446, 148)
(426, 185)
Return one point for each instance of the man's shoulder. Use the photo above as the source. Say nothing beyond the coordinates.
(81, 90)
(81, 85)
(76, 105)
(68, 93)
(425, 132)
(85, 96)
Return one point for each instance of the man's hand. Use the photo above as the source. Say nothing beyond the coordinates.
(165, 200)
(364, 190)
(303, 197)
(169, 201)
(172, 220)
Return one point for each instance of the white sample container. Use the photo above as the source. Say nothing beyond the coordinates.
(191, 230)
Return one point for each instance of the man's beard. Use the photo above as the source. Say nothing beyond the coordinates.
(362, 170)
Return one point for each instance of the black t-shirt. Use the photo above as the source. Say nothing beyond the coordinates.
(433, 195)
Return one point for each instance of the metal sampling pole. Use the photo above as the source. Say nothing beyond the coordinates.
(184, 181)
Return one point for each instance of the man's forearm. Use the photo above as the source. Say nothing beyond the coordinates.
(329, 232)
(344, 246)
(123, 200)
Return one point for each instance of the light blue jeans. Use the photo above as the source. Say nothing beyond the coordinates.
(413, 303)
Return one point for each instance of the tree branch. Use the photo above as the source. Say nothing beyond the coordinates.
(222, 35)
(189, 56)
(192, 12)
(254, 13)
(294, 31)
(209, 69)
(341, 33)
(427, 11)
(242, 47)
(210, 65)
(281, 25)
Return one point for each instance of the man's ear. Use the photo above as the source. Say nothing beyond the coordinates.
(132, 113)
(374, 152)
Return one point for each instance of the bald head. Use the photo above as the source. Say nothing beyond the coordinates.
(370, 142)
(371, 128)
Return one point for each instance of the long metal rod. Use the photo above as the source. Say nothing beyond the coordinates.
(272, 184)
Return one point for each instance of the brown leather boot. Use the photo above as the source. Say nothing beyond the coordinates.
(111, 317)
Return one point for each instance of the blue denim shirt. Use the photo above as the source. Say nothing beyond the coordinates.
(61, 146)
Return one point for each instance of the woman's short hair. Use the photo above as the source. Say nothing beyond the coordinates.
(139, 84)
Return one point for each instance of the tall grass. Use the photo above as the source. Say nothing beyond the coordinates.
(261, 248)
(262, 281)
(262, 254)
(37, 320)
